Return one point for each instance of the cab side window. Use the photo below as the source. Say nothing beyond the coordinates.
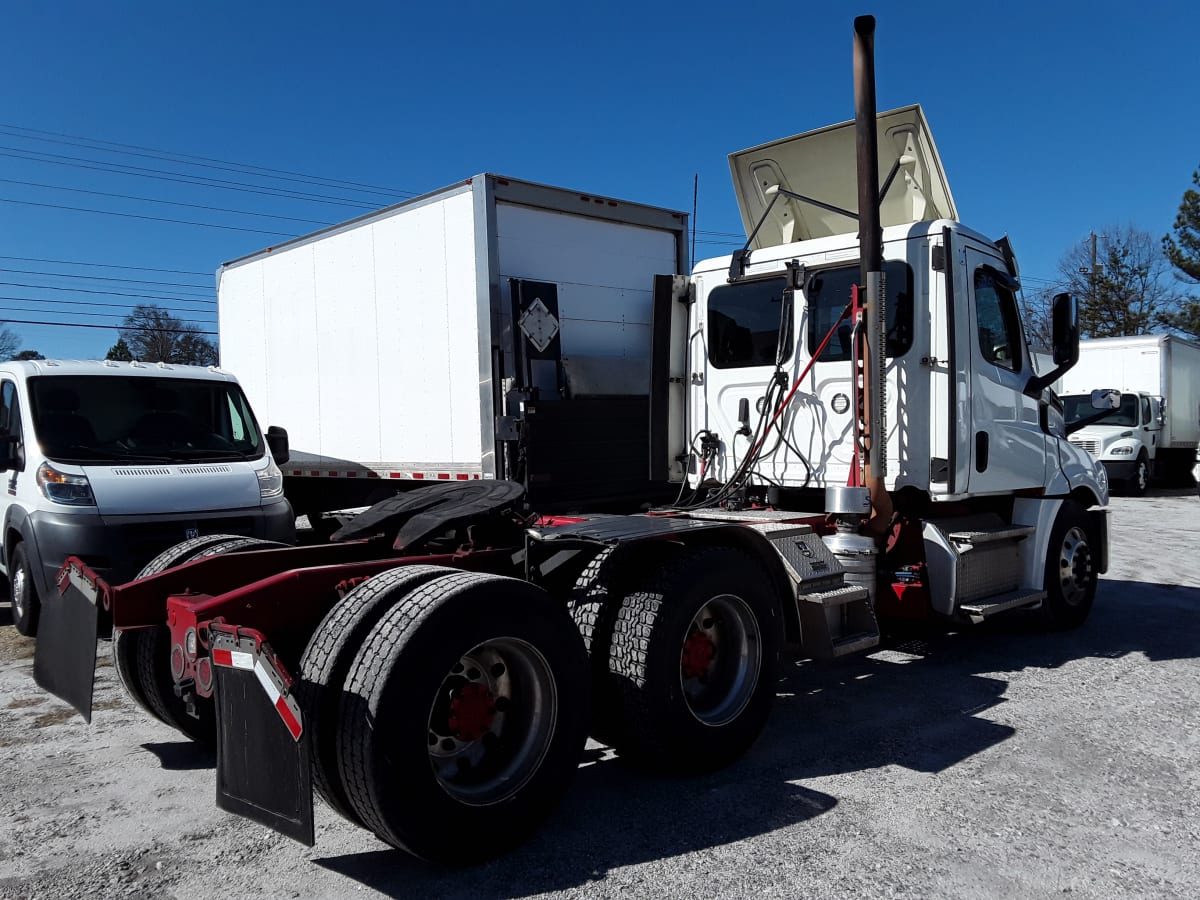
(12, 447)
(1147, 418)
(998, 322)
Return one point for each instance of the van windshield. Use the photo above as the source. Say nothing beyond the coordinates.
(107, 418)
(1077, 406)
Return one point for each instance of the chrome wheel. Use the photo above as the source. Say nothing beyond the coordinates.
(1075, 566)
(720, 660)
(1140, 479)
(492, 721)
(18, 592)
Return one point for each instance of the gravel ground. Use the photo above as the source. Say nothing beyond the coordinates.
(997, 762)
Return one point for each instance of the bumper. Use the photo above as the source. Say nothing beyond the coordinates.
(1118, 470)
(117, 547)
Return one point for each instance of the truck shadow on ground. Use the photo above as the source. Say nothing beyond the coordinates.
(916, 704)
(182, 756)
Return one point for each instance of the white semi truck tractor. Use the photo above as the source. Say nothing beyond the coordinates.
(844, 411)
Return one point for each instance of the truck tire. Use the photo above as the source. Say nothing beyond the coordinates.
(695, 649)
(1137, 483)
(1071, 572)
(124, 645)
(594, 603)
(327, 660)
(22, 592)
(464, 717)
(142, 657)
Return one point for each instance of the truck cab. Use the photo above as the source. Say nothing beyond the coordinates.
(1125, 442)
(967, 414)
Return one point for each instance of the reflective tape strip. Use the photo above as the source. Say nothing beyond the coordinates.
(277, 699)
(370, 473)
(233, 659)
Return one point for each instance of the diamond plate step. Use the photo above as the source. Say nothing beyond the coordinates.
(837, 596)
(990, 535)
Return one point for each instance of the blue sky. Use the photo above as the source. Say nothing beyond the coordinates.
(1051, 119)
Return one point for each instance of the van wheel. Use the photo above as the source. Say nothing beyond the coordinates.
(464, 717)
(1071, 572)
(22, 591)
(695, 650)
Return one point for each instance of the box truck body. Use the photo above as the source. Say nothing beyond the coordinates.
(386, 344)
(1158, 427)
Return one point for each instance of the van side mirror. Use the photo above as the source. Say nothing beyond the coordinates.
(277, 442)
(1064, 342)
(11, 456)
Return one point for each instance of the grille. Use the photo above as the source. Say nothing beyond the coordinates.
(204, 470)
(148, 539)
(141, 472)
(1090, 446)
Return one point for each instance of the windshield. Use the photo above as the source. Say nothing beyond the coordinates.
(107, 418)
(1079, 406)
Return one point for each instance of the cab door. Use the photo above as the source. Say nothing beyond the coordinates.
(1007, 446)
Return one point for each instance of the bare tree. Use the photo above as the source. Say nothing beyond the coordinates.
(152, 334)
(1131, 288)
(9, 342)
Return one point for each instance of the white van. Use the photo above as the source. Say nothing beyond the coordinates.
(115, 461)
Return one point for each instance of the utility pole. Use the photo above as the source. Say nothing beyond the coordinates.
(1092, 276)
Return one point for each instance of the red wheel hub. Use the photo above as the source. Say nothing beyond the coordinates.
(472, 710)
(698, 653)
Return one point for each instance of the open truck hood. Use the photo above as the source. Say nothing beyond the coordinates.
(821, 164)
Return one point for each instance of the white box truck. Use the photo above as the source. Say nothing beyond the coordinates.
(373, 343)
(1156, 431)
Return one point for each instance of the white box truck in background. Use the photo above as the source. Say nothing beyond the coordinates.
(1156, 431)
(373, 342)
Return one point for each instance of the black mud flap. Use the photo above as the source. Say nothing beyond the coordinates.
(64, 659)
(263, 770)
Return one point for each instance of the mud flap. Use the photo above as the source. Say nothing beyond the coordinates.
(64, 659)
(263, 770)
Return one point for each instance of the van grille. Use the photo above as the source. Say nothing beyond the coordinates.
(204, 470)
(140, 473)
(147, 539)
(1090, 446)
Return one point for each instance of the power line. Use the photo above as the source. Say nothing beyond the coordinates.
(199, 287)
(102, 304)
(279, 174)
(50, 287)
(109, 212)
(80, 162)
(104, 327)
(240, 212)
(93, 316)
(69, 262)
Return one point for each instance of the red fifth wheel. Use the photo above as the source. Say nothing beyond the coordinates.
(463, 717)
(695, 652)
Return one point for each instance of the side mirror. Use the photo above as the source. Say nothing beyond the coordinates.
(277, 441)
(1106, 399)
(1064, 319)
(11, 456)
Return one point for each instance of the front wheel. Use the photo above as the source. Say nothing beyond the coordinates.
(463, 718)
(23, 593)
(695, 653)
(1072, 572)
(1140, 479)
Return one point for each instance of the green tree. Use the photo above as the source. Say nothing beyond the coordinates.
(1182, 249)
(119, 351)
(28, 354)
(153, 334)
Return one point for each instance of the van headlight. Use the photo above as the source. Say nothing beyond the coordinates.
(270, 481)
(60, 487)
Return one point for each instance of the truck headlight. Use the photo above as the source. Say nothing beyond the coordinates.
(270, 481)
(1122, 451)
(59, 487)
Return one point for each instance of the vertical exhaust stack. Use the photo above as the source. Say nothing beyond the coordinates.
(870, 236)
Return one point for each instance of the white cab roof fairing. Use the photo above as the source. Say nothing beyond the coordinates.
(822, 165)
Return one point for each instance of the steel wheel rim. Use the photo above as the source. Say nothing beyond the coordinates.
(1074, 566)
(18, 592)
(492, 721)
(720, 693)
(1141, 476)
